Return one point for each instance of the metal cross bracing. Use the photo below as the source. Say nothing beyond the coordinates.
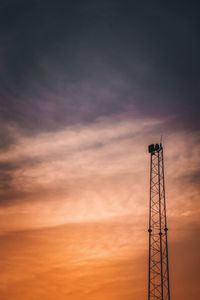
(158, 275)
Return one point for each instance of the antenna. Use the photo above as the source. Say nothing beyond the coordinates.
(161, 137)
(158, 271)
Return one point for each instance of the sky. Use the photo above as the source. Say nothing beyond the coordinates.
(85, 87)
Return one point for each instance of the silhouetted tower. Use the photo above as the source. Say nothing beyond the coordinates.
(158, 277)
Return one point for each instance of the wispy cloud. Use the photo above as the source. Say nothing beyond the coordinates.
(93, 171)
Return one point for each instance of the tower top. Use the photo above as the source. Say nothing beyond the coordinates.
(154, 148)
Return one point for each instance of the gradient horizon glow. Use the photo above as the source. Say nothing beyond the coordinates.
(85, 88)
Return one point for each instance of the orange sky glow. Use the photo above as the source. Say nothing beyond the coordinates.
(74, 225)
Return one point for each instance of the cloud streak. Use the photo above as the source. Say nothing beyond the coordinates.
(92, 171)
(85, 86)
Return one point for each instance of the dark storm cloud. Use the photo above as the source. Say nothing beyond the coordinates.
(65, 62)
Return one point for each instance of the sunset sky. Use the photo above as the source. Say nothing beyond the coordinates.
(85, 86)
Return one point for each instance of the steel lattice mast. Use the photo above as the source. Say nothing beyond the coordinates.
(158, 277)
